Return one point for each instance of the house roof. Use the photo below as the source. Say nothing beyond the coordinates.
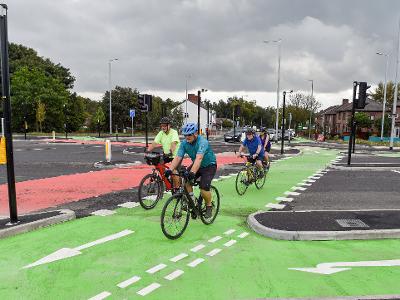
(370, 106)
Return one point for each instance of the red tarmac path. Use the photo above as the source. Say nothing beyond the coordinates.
(39, 194)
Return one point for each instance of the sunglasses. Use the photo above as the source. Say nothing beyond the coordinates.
(187, 135)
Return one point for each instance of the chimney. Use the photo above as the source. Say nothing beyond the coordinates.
(193, 98)
(345, 101)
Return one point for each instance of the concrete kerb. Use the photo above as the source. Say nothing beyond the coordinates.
(366, 168)
(117, 164)
(320, 235)
(65, 215)
(377, 297)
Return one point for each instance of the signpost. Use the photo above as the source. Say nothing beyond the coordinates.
(132, 115)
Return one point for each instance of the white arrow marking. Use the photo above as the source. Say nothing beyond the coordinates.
(331, 268)
(70, 252)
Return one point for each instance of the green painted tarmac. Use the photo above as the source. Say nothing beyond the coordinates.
(253, 267)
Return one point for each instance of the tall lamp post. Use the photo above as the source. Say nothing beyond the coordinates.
(109, 88)
(312, 95)
(198, 108)
(394, 114)
(279, 41)
(384, 93)
(186, 102)
(283, 119)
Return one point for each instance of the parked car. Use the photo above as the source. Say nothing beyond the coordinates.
(229, 137)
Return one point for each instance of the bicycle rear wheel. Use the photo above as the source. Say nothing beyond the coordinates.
(242, 181)
(150, 191)
(215, 205)
(175, 216)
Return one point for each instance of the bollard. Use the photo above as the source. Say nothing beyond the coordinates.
(108, 151)
(3, 155)
(54, 135)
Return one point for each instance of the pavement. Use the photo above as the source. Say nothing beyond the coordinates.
(339, 203)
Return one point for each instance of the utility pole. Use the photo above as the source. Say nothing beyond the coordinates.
(198, 110)
(5, 84)
(109, 89)
(312, 94)
(394, 113)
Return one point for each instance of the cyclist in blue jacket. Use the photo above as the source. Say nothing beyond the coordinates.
(256, 149)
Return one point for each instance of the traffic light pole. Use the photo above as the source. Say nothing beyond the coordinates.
(208, 118)
(352, 138)
(283, 122)
(5, 81)
(147, 132)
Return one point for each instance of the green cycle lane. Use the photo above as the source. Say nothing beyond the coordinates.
(237, 266)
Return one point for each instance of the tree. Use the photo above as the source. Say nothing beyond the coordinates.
(302, 107)
(362, 120)
(40, 114)
(98, 119)
(378, 93)
(30, 85)
(74, 113)
(387, 125)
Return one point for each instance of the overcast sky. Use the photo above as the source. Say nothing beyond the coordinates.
(218, 43)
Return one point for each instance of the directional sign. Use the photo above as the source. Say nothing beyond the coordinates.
(68, 252)
(335, 267)
(132, 113)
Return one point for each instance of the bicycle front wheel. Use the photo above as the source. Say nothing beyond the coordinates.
(242, 181)
(260, 180)
(215, 206)
(150, 191)
(175, 216)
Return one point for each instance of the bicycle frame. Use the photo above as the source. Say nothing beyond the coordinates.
(161, 170)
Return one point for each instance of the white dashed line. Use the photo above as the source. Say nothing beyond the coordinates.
(37, 149)
(129, 204)
(103, 212)
(128, 282)
(156, 268)
(195, 262)
(230, 231)
(148, 289)
(214, 239)
(101, 296)
(304, 184)
(275, 206)
(286, 199)
(230, 243)
(309, 180)
(243, 235)
(298, 188)
(174, 274)
(179, 257)
(291, 193)
(197, 248)
(225, 177)
(395, 171)
(214, 252)
(215, 180)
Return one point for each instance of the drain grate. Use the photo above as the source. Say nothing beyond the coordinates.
(352, 223)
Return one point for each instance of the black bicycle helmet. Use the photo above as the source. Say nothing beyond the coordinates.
(165, 120)
(250, 130)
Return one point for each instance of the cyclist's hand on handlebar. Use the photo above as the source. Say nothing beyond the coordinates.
(190, 175)
(254, 155)
(168, 173)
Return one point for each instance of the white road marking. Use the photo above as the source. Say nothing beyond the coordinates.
(179, 257)
(314, 177)
(275, 206)
(18, 150)
(129, 204)
(214, 239)
(304, 184)
(37, 149)
(291, 193)
(286, 199)
(395, 171)
(156, 268)
(151, 197)
(128, 282)
(243, 235)
(174, 274)
(230, 243)
(70, 252)
(298, 188)
(195, 262)
(316, 152)
(103, 212)
(214, 252)
(233, 174)
(148, 289)
(224, 176)
(101, 296)
(335, 267)
(230, 231)
(215, 180)
(309, 180)
(197, 248)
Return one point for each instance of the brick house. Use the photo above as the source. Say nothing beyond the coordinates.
(334, 119)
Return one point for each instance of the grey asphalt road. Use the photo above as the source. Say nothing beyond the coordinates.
(351, 190)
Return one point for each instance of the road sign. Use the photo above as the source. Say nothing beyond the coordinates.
(132, 113)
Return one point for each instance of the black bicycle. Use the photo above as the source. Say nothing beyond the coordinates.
(250, 174)
(178, 209)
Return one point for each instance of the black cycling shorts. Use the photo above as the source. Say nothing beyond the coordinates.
(206, 175)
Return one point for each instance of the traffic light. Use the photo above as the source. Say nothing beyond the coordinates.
(149, 102)
(362, 94)
(142, 103)
(237, 110)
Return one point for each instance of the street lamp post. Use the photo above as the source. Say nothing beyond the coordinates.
(186, 101)
(283, 119)
(384, 93)
(394, 114)
(279, 41)
(109, 88)
(312, 94)
(198, 108)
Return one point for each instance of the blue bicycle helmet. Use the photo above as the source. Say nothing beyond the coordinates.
(189, 128)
